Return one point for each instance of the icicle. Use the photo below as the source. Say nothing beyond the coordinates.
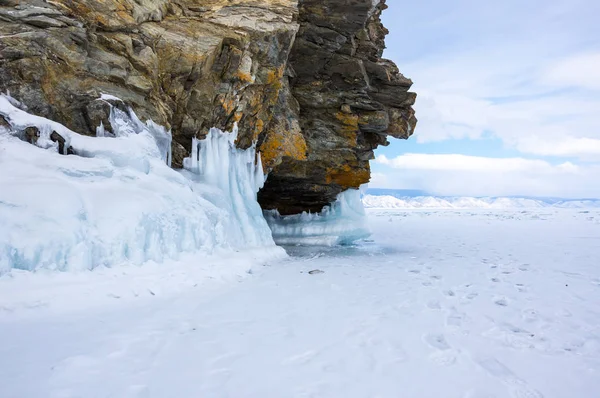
(170, 150)
(100, 132)
(238, 174)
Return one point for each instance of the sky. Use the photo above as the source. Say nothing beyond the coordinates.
(508, 98)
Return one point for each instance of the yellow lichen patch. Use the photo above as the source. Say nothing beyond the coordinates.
(274, 75)
(273, 85)
(244, 77)
(280, 144)
(258, 128)
(228, 104)
(349, 124)
(54, 74)
(348, 177)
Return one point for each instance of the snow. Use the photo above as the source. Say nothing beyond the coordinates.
(117, 201)
(109, 97)
(343, 222)
(432, 202)
(453, 304)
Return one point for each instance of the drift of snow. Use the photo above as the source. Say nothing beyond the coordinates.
(117, 201)
(432, 202)
(342, 222)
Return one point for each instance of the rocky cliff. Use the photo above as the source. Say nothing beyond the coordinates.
(304, 79)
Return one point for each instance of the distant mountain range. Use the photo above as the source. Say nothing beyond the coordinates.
(413, 199)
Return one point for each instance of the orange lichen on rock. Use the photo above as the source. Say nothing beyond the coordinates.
(228, 104)
(349, 126)
(244, 76)
(282, 144)
(237, 116)
(258, 128)
(349, 177)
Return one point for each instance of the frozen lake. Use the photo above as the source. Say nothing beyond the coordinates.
(452, 304)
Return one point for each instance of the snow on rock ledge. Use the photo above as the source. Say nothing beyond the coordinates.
(342, 222)
(117, 201)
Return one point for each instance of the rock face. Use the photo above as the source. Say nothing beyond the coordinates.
(305, 80)
(348, 100)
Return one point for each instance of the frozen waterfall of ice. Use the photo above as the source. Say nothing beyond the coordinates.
(342, 222)
(116, 201)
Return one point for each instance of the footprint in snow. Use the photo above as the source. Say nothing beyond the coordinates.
(501, 301)
(521, 288)
(444, 354)
(455, 318)
(434, 305)
(518, 338)
(529, 315)
(471, 296)
(437, 341)
(300, 359)
(518, 388)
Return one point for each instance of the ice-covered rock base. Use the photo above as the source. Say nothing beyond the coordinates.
(115, 200)
(343, 222)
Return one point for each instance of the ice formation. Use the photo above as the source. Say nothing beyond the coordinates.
(126, 124)
(342, 222)
(239, 175)
(117, 201)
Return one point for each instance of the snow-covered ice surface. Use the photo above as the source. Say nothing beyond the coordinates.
(453, 304)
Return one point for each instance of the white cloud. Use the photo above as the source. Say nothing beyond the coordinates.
(563, 124)
(585, 148)
(582, 70)
(379, 180)
(530, 78)
(455, 174)
(524, 73)
(479, 164)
